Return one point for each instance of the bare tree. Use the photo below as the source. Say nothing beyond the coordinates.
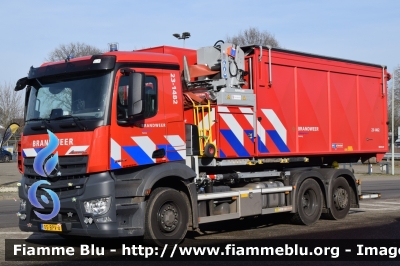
(253, 36)
(11, 106)
(72, 49)
(396, 81)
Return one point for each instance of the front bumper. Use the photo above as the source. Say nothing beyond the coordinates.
(125, 219)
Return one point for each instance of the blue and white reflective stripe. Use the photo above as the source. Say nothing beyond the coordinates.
(115, 154)
(142, 152)
(138, 154)
(234, 126)
(234, 142)
(178, 144)
(273, 134)
(30, 152)
(250, 119)
(276, 123)
(262, 146)
(147, 146)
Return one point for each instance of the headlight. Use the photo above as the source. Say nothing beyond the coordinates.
(97, 206)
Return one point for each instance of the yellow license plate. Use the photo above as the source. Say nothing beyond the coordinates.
(51, 227)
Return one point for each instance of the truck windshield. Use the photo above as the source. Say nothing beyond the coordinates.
(79, 96)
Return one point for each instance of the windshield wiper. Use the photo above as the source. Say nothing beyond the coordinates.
(44, 125)
(67, 116)
(76, 121)
(37, 119)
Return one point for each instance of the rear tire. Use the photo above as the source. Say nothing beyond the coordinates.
(167, 217)
(340, 199)
(7, 159)
(309, 203)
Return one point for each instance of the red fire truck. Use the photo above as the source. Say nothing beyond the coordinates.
(158, 141)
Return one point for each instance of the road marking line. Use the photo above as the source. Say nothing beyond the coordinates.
(366, 204)
(383, 209)
(15, 233)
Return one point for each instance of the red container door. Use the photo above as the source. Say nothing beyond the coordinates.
(313, 111)
(372, 114)
(344, 114)
(276, 112)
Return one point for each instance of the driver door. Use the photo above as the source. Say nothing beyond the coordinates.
(142, 141)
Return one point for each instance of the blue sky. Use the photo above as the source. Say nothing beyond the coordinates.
(367, 31)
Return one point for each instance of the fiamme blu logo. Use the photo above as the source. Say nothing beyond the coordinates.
(45, 166)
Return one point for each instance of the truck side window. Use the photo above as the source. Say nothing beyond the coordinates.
(151, 94)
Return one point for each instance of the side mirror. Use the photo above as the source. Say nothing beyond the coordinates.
(136, 94)
(21, 84)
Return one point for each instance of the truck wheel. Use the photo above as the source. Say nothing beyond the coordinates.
(340, 199)
(309, 203)
(167, 217)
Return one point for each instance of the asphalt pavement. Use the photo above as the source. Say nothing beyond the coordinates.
(376, 219)
(9, 173)
(9, 177)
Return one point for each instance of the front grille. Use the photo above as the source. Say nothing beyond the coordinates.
(63, 192)
(65, 185)
(69, 166)
(73, 177)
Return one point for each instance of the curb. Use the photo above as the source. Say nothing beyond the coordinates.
(8, 189)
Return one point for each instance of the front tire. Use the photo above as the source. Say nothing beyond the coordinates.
(7, 159)
(167, 217)
(340, 199)
(309, 203)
